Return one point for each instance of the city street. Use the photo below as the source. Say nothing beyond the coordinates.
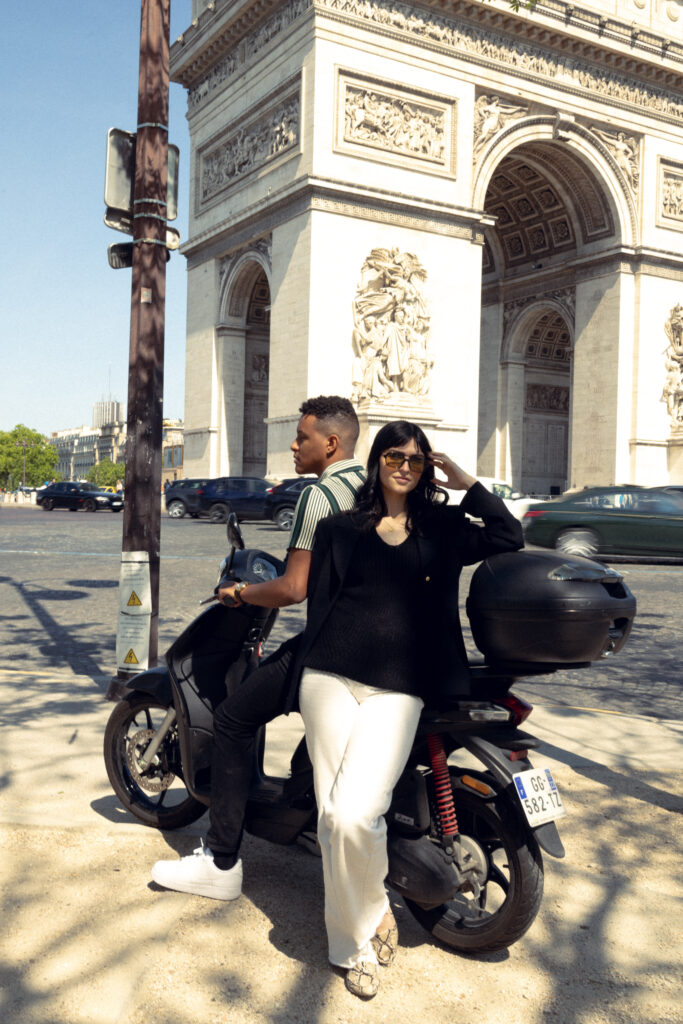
(88, 938)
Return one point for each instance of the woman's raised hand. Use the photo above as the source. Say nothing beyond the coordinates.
(456, 478)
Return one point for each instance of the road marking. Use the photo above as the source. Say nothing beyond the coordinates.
(101, 554)
(56, 674)
(573, 707)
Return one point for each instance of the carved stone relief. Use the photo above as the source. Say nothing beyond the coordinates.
(248, 48)
(251, 145)
(259, 370)
(261, 247)
(670, 198)
(673, 385)
(400, 125)
(547, 398)
(625, 151)
(526, 59)
(491, 115)
(391, 330)
(564, 297)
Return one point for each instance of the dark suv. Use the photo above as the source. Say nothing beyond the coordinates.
(243, 495)
(182, 497)
(281, 500)
(75, 495)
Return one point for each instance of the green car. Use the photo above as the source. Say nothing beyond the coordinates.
(609, 520)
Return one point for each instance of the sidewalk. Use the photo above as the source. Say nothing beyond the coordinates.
(87, 938)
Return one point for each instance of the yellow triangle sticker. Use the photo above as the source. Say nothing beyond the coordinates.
(134, 601)
(130, 658)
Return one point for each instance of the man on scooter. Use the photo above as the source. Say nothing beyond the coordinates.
(324, 444)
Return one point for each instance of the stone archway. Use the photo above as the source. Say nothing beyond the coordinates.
(243, 360)
(256, 378)
(547, 352)
(556, 221)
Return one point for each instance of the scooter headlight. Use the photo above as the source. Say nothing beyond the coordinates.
(263, 569)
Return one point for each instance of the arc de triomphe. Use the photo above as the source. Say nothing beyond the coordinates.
(449, 212)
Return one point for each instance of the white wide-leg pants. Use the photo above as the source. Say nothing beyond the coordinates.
(359, 738)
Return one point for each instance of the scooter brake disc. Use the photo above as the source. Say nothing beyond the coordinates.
(153, 778)
(471, 863)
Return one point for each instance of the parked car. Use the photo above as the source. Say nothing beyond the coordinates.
(243, 495)
(75, 495)
(281, 500)
(609, 520)
(182, 497)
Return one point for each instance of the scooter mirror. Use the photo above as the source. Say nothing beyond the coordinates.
(234, 533)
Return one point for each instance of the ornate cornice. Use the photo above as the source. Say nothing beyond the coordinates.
(330, 196)
(216, 33)
(582, 35)
(561, 61)
(563, 298)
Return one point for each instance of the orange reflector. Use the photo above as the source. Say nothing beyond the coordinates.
(518, 755)
(480, 787)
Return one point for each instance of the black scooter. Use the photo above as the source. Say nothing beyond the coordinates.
(464, 843)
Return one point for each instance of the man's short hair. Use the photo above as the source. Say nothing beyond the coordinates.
(336, 416)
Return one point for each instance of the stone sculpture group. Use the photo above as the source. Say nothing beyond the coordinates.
(673, 387)
(391, 330)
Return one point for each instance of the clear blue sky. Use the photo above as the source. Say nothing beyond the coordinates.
(69, 72)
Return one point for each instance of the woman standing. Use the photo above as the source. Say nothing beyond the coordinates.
(382, 634)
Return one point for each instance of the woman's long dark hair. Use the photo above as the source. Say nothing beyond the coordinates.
(370, 506)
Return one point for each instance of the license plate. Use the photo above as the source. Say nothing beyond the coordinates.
(539, 796)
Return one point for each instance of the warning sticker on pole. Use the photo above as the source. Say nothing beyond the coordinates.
(135, 588)
(135, 612)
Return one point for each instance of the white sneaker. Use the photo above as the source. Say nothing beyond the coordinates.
(198, 874)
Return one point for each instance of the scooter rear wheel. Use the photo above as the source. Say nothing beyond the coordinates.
(511, 884)
(156, 795)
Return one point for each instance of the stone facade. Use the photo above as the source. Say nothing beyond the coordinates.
(449, 212)
(81, 448)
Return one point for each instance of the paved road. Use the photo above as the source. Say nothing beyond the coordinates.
(62, 572)
(86, 937)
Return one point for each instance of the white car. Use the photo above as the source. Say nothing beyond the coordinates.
(516, 502)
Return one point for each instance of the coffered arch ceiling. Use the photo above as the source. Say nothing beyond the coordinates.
(547, 203)
(258, 311)
(548, 340)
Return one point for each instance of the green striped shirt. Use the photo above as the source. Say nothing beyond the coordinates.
(333, 491)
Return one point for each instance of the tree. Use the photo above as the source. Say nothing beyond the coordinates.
(106, 473)
(41, 457)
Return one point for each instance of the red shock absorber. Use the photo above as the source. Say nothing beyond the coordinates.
(442, 786)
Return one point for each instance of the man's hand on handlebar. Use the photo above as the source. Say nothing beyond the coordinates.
(226, 595)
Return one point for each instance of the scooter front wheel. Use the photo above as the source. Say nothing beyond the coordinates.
(510, 879)
(155, 794)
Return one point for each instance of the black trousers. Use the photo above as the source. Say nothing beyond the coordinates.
(258, 700)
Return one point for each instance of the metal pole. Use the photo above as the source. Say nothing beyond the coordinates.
(142, 511)
(24, 445)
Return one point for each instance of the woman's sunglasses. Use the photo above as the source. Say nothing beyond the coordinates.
(395, 459)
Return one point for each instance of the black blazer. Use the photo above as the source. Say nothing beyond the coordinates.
(450, 541)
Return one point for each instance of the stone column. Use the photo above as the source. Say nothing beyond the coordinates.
(201, 373)
(230, 360)
(675, 459)
(602, 380)
(489, 396)
(511, 420)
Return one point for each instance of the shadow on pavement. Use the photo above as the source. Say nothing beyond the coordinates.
(80, 646)
(618, 783)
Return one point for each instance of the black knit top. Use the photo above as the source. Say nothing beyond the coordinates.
(376, 630)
